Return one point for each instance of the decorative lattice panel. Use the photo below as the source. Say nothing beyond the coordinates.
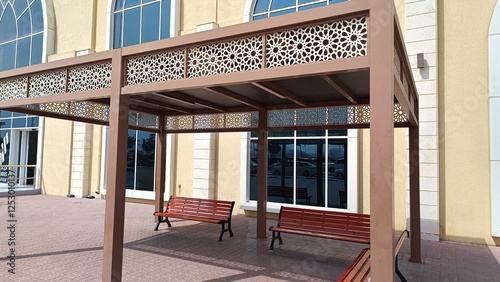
(13, 88)
(337, 115)
(311, 117)
(338, 40)
(150, 121)
(179, 123)
(61, 108)
(214, 121)
(225, 57)
(155, 68)
(89, 110)
(89, 77)
(281, 118)
(358, 114)
(49, 83)
(249, 120)
(242, 120)
(399, 114)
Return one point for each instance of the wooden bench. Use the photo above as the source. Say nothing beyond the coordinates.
(204, 210)
(359, 270)
(287, 193)
(344, 226)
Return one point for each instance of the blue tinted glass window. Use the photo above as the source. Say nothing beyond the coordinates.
(8, 25)
(37, 16)
(117, 39)
(150, 22)
(32, 122)
(165, 19)
(280, 4)
(18, 122)
(336, 1)
(261, 6)
(282, 12)
(5, 114)
(23, 52)
(138, 22)
(24, 25)
(308, 1)
(8, 55)
(119, 4)
(132, 3)
(36, 49)
(20, 6)
(307, 7)
(131, 27)
(5, 123)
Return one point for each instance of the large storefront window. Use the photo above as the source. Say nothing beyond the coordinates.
(141, 159)
(18, 143)
(304, 168)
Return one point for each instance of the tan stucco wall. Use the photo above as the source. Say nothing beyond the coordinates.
(228, 168)
(463, 114)
(56, 161)
(222, 12)
(95, 159)
(184, 162)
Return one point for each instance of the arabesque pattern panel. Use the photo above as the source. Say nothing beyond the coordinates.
(225, 57)
(331, 41)
(15, 88)
(155, 68)
(49, 83)
(89, 77)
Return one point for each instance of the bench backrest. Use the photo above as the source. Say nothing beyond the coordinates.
(200, 207)
(343, 223)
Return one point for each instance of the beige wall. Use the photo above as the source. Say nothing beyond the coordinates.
(228, 168)
(464, 132)
(223, 12)
(184, 165)
(56, 157)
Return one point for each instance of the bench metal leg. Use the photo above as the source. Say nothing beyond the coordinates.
(229, 229)
(400, 275)
(222, 231)
(274, 238)
(160, 221)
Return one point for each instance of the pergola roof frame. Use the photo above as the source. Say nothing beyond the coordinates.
(192, 88)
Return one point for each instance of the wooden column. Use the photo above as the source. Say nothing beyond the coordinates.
(381, 42)
(116, 180)
(262, 176)
(160, 164)
(415, 245)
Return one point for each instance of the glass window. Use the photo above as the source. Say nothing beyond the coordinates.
(20, 22)
(141, 159)
(138, 22)
(271, 8)
(304, 167)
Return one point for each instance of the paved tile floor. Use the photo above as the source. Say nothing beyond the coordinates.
(60, 239)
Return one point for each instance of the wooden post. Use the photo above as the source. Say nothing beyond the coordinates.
(415, 235)
(160, 164)
(381, 42)
(262, 176)
(116, 180)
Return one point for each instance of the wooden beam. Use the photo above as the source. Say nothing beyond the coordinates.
(160, 164)
(402, 97)
(340, 87)
(233, 96)
(142, 100)
(415, 239)
(181, 97)
(280, 92)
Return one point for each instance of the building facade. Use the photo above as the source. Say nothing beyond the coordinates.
(450, 46)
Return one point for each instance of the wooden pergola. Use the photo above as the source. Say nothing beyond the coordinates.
(337, 67)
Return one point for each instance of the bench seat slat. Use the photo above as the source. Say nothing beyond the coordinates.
(344, 237)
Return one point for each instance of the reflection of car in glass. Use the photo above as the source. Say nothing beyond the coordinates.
(303, 168)
(339, 173)
(253, 167)
(335, 165)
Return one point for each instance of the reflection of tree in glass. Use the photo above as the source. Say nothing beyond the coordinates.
(148, 151)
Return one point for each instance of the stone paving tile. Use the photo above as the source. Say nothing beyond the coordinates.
(60, 239)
